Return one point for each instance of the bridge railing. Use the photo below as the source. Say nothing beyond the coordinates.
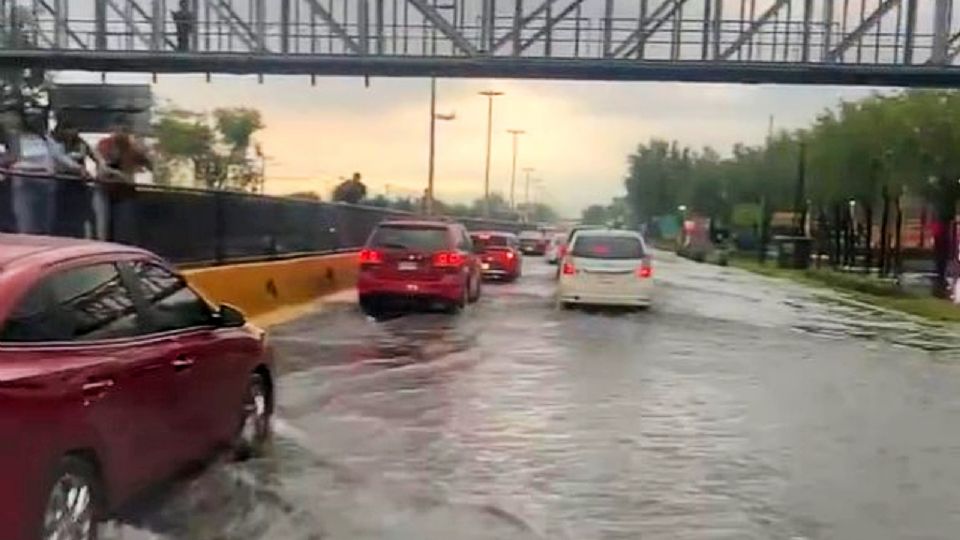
(192, 226)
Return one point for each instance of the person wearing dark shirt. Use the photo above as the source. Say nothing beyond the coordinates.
(183, 20)
(74, 209)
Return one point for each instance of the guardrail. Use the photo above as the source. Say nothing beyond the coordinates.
(192, 227)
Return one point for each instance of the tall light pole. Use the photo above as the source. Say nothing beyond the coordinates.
(431, 168)
(513, 175)
(490, 94)
(433, 145)
(526, 194)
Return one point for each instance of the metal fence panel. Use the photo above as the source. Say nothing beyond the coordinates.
(199, 227)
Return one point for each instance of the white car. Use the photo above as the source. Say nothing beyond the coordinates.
(606, 267)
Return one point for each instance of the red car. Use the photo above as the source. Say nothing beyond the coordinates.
(114, 375)
(428, 263)
(500, 256)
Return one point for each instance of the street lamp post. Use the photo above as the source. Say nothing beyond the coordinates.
(433, 145)
(490, 94)
(431, 168)
(526, 193)
(513, 175)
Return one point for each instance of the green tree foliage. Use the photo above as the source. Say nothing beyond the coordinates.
(217, 148)
(869, 151)
(237, 126)
(595, 214)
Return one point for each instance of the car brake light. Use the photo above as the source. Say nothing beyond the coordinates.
(569, 269)
(510, 255)
(645, 271)
(448, 259)
(371, 256)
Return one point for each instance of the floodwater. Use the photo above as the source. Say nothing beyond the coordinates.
(738, 407)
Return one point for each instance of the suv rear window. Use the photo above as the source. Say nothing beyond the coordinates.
(410, 237)
(607, 247)
(531, 235)
(483, 241)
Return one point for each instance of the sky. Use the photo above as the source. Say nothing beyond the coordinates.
(578, 133)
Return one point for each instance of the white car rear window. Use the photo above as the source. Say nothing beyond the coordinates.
(607, 247)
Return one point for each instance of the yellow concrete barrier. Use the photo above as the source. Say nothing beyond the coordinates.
(262, 287)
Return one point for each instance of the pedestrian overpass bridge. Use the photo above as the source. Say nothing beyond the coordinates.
(868, 42)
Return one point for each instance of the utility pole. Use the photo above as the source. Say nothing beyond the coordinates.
(490, 94)
(513, 175)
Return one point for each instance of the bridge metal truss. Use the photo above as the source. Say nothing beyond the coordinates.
(902, 42)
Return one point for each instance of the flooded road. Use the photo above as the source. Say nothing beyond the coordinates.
(738, 407)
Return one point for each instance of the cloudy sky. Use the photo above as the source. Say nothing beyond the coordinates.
(579, 133)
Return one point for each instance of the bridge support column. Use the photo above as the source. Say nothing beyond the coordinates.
(607, 28)
(805, 45)
(261, 25)
(941, 31)
(100, 24)
(285, 26)
(517, 26)
(487, 25)
(156, 25)
(718, 29)
(910, 32)
(363, 25)
(827, 29)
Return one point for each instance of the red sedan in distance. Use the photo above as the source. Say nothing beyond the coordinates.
(418, 263)
(500, 256)
(114, 375)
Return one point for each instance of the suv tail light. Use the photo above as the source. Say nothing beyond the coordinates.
(370, 257)
(646, 270)
(448, 259)
(569, 269)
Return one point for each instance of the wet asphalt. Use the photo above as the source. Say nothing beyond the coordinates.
(738, 407)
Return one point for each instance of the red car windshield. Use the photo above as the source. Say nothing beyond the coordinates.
(416, 238)
(487, 242)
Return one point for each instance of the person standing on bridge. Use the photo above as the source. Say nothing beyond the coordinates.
(184, 20)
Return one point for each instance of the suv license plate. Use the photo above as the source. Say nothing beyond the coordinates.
(407, 266)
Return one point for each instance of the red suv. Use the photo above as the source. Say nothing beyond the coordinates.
(500, 256)
(418, 262)
(114, 374)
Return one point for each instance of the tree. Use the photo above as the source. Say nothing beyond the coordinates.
(595, 214)
(237, 127)
(217, 150)
(350, 191)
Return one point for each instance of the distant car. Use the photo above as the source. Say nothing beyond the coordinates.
(418, 264)
(114, 375)
(606, 267)
(555, 248)
(500, 256)
(533, 242)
